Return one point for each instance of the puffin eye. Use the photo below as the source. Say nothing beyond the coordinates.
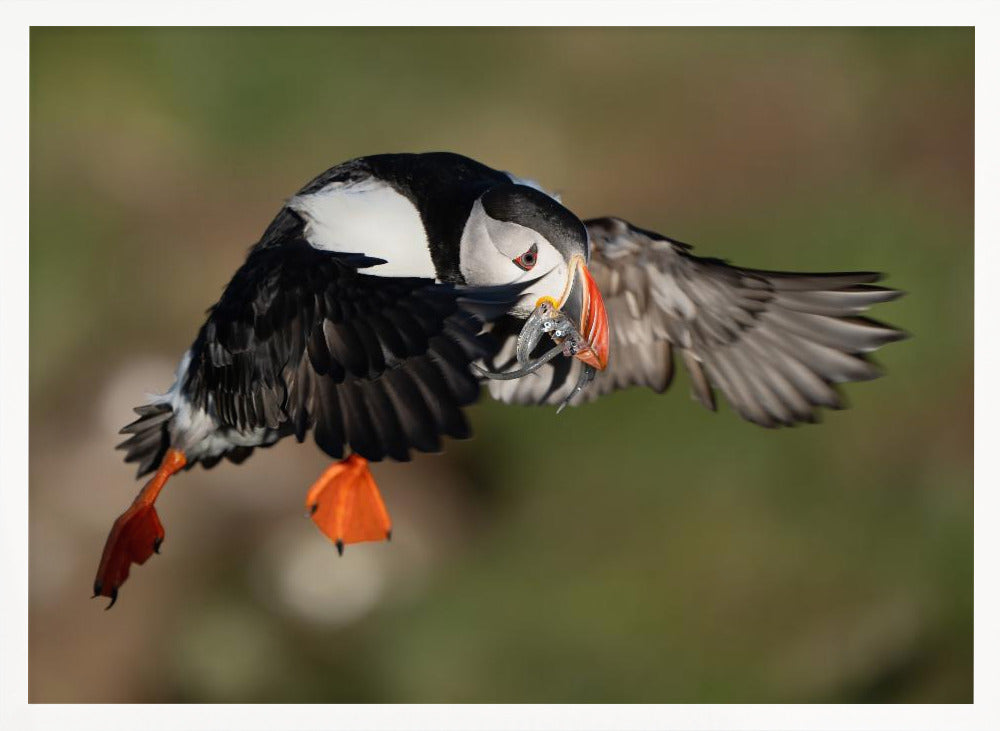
(528, 259)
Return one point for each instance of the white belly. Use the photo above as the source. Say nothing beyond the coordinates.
(368, 217)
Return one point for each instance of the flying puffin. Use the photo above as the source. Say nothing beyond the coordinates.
(390, 288)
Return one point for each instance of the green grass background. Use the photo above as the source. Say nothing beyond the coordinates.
(638, 549)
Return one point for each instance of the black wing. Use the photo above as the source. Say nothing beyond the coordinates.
(303, 339)
(774, 343)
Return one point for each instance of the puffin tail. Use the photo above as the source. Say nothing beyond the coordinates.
(150, 436)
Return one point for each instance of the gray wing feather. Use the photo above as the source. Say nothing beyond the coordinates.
(775, 344)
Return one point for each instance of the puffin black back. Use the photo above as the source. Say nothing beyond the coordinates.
(442, 187)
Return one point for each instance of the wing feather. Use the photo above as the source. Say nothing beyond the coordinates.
(775, 344)
(304, 339)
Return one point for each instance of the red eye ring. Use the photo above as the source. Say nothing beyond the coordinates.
(528, 259)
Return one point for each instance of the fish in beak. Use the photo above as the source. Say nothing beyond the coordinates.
(578, 323)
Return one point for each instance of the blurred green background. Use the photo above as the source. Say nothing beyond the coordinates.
(686, 556)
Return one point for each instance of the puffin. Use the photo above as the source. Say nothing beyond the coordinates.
(392, 289)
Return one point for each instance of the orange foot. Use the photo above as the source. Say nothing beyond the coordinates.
(346, 505)
(137, 533)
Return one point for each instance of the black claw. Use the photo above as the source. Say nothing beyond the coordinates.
(97, 589)
(313, 508)
(156, 545)
(114, 598)
(340, 547)
(388, 535)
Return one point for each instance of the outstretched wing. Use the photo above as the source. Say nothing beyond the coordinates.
(304, 339)
(774, 343)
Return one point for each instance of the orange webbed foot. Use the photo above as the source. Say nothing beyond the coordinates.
(346, 505)
(136, 534)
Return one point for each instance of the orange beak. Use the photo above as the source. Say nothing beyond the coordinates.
(584, 304)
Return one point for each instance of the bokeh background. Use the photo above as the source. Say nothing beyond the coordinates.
(683, 555)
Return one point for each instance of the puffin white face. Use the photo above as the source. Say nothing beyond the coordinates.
(495, 252)
(516, 233)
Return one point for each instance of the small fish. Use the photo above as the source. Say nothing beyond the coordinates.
(546, 319)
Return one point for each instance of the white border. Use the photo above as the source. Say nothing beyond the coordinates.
(17, 16)
(505, 12)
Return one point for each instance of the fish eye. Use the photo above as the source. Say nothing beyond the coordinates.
(528, 259)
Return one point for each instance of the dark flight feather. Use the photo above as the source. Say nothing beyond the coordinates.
(305, 339)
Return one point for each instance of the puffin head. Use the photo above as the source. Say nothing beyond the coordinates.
(516, 233)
